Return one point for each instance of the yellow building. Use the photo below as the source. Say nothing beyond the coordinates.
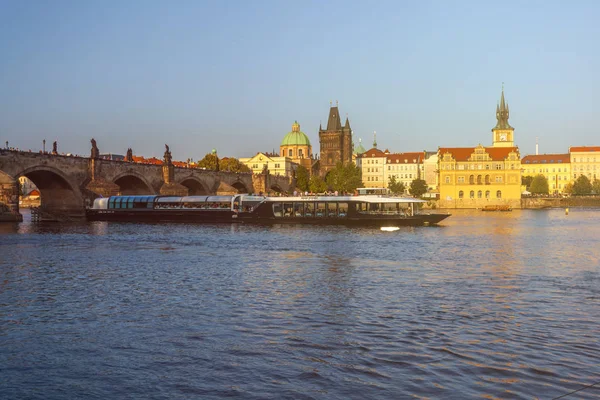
(276, 165)
(405, 167)
(372, 166)
(475, 177)
(585, 160)
(555, 167)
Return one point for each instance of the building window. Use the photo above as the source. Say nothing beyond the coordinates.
(461, 179)
(499, 194)
(498, 166)
(291, 152)
(479, 182)
(498, 179)
(461, 194)
(472, 194)
(487, 194)
(479, 194)
(447, 179)
(300, 155)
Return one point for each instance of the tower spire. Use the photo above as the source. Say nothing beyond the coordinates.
(374, 139)
(502, 113)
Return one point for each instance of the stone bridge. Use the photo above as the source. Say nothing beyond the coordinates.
(68, 184)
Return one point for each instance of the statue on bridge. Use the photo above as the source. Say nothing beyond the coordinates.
(95, 152)
(55, 148)
(129, 156)
(168, 157)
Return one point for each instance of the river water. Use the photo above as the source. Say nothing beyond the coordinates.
(488, 305)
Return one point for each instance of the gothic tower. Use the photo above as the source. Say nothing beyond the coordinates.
(502, 133)
(335, 142)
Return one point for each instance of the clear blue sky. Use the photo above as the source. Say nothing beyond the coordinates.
(234, 75)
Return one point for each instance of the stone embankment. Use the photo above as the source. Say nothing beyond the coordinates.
(560, 202)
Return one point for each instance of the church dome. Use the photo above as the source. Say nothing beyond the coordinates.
(359, 149)
(295, 137)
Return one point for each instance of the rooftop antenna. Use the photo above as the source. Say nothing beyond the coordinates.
(336, 103)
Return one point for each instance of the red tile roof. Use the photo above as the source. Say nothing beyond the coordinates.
(464, 153)
(414, 157)
(374, 152)
(584, 148)
(545, 158)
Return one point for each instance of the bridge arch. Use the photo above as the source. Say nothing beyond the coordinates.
(240, 187)
(58, 194)
(276, 188)
(195, 186)
(132, 183)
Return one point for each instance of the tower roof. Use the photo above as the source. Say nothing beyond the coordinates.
(334, 123)
(502, 113)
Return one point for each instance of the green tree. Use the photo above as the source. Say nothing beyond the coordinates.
(395, 186)
(344, 178)
(526, 181)
(418, 187)
(317, 184)
(568, 188)
(209, 162)
(302, 178)
(539, 185)
(232, 164)
(582, 186)
(596, 187)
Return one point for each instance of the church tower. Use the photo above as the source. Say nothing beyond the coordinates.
(335, 142)
(503, 133)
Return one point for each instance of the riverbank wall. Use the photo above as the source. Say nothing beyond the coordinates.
(529, 203)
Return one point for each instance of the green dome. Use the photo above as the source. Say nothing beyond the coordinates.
(359, 149)
(295, 137)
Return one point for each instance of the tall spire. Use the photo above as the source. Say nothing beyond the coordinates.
(502, 113)
(374, 139)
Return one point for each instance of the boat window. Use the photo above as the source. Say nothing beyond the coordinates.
(320, 210)
(299, 209)
(277, 210)
(130, 202)
(390, 208)
(332, 210)
(309, 209)
(111, 202)
(342, 210)
(288, 209)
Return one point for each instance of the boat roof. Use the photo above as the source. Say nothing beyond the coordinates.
(360, 198)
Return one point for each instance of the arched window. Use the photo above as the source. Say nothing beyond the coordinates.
(487, 179)
(472, 194)
(291, 153)
(447, 179)
(499, 194)
(487, 194)
(479, 179)
(461, 194)
(300, 155)
(471, 180)
(479, 194)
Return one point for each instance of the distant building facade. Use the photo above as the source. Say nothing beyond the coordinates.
(335, 142)
(276, 165)
(585, 160)
(556, 168)
(474, 177)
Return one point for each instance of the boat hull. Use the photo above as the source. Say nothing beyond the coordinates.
(225, 216)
